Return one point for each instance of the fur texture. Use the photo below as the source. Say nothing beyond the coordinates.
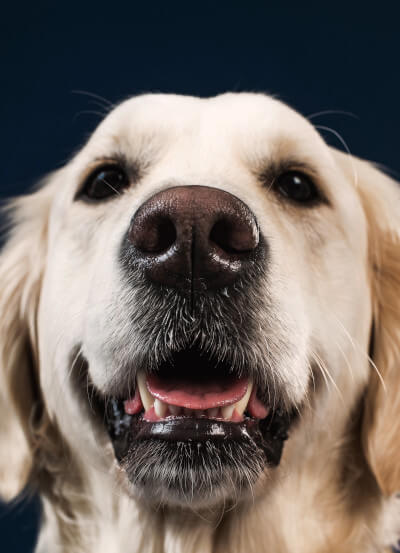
(323, 325)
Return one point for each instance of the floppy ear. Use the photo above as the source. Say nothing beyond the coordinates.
(21, 267)
(381, 425)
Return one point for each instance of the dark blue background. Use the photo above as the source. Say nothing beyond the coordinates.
(319, 57)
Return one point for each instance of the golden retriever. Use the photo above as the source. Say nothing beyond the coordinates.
(200, 338)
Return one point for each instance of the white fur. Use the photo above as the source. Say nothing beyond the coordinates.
(69, 291)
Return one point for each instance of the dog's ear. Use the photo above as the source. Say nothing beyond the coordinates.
(21, 268)
(380, 196)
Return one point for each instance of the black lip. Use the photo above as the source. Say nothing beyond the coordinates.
(268, 434)
(190, 429)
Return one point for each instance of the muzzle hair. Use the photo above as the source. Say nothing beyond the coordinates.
(223, 325)
(194, 474)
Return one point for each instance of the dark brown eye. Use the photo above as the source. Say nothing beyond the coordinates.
(104, 182)
(297, 187)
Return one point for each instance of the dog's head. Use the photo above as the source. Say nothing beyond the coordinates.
(203, 280)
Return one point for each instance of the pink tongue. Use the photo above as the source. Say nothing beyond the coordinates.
(197, 395)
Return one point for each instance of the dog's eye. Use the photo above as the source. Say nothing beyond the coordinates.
(298, 187)
(104, 182)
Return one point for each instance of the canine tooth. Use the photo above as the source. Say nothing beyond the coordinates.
(160, 408)
(199, 412)
(227, 411)
(147, 398)
(212, 412)
(174, 409)
(241, 405)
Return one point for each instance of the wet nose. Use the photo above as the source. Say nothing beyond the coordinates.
(194, 238)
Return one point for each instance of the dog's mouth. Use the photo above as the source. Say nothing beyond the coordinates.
(190, 386)
(194, 430)
(193, 399)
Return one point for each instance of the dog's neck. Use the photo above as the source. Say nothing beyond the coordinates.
(310, 506)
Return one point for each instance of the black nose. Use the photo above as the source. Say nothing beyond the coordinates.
(194, 237)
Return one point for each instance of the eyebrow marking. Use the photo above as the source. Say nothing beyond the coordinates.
(268, 171)
(133, 167)
(271, 169)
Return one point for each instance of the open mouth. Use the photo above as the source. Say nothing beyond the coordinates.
(194, 431)
(191, 386)
(194, 399)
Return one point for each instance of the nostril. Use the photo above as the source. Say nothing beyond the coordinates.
(194, 238)
(234, 236)
(155, 235)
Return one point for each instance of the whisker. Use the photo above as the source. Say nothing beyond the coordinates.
(318, 364)
(356, 346)
(87, 112)
(332, 112)
(110, 186)
(106, 103)
(344, 144)
(325, 371)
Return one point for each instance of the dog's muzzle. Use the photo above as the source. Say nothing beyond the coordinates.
(198, 409)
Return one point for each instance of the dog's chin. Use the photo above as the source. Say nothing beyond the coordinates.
(196, 463)
(198, 475)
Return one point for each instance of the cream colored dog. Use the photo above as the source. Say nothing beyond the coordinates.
(200, 338)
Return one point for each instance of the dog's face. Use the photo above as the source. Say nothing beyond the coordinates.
(206, 288)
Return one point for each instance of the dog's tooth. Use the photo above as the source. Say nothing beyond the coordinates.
(174, 409)
(147, 398)
(212, 412)
(241, 405)
(160, 408)
(227, 411)
(199, 412)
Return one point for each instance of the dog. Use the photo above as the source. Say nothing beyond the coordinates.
(200, 337)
